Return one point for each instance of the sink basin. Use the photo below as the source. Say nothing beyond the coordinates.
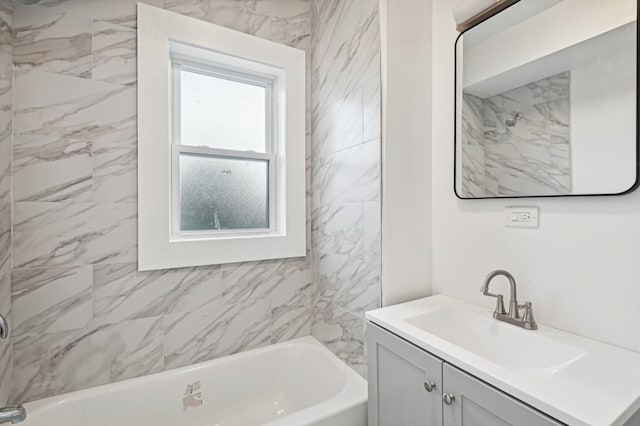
(503, 344)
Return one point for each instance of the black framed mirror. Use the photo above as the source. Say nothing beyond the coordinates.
(546, 101)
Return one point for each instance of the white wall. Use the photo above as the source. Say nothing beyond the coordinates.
(603, 106)
(581, 269)
(406, 100)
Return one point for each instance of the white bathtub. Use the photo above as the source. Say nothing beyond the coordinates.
(288, 384)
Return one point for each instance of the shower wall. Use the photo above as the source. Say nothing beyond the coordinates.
(345, 182)
(6, 95)
(531, 157)
(82, 313)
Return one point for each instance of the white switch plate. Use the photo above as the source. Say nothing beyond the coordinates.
(521, 217)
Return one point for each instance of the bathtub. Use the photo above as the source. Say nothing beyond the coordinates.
(293, 383)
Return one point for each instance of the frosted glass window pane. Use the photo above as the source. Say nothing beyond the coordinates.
(221, 113)
(223, 193)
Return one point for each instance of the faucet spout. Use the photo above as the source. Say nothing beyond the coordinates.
(513, 300)
(13, 414)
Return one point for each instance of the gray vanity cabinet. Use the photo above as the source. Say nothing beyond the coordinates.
(410, 387)
(475, 403)
(405, 383)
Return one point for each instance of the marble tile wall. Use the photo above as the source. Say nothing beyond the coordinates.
(345, 185)
(472, 147)
(83, 314)
(530, 158)
(6, 119)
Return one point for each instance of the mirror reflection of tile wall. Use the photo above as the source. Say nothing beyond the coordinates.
(518, 143)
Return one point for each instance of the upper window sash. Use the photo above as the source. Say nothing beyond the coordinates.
(181, 63)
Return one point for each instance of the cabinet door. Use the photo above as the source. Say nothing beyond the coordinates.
(405, 382)
(475, 403)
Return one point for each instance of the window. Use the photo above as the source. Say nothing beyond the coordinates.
(223, 169)
(223, 180)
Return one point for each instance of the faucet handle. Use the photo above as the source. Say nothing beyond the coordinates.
(500, 310)
(527, 316)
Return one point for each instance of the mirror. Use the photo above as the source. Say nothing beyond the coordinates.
(546, 101)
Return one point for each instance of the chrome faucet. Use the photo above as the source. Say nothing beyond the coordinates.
(513, 315)
(13, 414)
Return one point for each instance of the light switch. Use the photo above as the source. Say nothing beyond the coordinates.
(521, 217)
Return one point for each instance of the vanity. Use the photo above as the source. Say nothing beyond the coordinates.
(441, 361)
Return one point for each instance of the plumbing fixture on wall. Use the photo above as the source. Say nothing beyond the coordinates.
(13, 414)
(513, 120)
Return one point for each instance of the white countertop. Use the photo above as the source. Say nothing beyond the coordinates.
(601, 387)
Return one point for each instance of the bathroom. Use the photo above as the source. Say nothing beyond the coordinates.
(346, 281)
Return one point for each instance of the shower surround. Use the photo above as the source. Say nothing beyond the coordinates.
(82, 313)
(503, 155)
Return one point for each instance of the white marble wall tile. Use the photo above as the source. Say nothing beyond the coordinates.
(6, 125)
(6, 359)
(6, 35)
(5, 239)
(216, 331)
(291, 310)
(543, 91)
(48, 168)
(338, 229)
(475, 134)
(5, 235)
(473, 170)
(6, 94)
(6, 372)
(346, 48)
(56, 363)
(114, 53)
(70, 107)
(121, 12)
(250, 281)
(55, 234)
(5, 291)
(239, 15)
(195, 8)
(527, 154)
(351, 283)
(472, 122)
(372, 236)
(345, 172)
(50, 40)
(339, 125)
(283, 21)
(121, 292)
(47, 300)
(530, 158)
(371, 103)
(291, 24)
(115, 162)
(352, 175)
(342, 332)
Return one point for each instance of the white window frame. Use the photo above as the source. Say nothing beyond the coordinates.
(167, 43)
